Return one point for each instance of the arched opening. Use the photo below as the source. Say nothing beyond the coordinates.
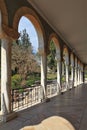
(65, 70)
(66, 55)
(53, 66)
(31, 15)
(29, 67)
(25, 23)
(25, 51)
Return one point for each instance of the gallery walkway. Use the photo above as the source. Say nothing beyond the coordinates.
(72, 105)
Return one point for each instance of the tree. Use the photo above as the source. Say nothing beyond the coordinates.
(25, 40)
(23, 60)
(51, 62)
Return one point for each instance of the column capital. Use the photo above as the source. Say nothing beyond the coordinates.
(75, 67)
(78, 68)
(66, 64)
(72, 66)
(41, 51)
(57, 58)
(8, 32)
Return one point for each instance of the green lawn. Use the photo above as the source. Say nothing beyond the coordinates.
(51, 76)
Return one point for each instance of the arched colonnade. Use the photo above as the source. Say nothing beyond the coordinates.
(67, 61)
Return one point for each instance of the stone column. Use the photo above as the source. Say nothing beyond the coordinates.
(43, 73)
(5, 76)
(67, 76)
(75, 81)
(82, 76)
(62, 68)
(72, 72)
(78, 76)
(6, 112)
(58, 75)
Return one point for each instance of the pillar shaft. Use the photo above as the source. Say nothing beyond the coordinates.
(72, 73)
(75, 81)
(5, 76)
(82, 76)
(78, 76)
(58, 75)
(44, 73)
(62, 68)
(67, 76)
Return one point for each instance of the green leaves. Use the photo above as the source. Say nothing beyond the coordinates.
(24, 62)
(51, 62)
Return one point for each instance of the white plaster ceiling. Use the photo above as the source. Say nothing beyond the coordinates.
(69, 19)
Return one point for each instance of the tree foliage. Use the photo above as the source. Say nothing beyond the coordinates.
(24, 39)
(51, 62)
(23, 59)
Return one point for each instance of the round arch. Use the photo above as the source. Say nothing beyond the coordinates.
(65, 67)
(31, 15)
(66, 55)
(54, 37)
(3, 13)
(72, 59)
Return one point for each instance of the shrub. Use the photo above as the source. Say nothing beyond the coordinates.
(63, 78)
(16, 81)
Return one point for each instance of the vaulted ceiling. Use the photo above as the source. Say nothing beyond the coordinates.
(69, 19)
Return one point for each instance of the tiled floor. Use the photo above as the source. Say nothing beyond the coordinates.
(72, 105)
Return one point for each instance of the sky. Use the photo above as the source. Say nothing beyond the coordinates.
(24, 23)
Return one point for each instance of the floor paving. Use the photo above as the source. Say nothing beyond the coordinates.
(72, 105)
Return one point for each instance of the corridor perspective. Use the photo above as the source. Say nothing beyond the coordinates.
(51, 79)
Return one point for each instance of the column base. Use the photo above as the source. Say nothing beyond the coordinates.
(8, 117)
(75, 86)
(63, 90)
(46, 100)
